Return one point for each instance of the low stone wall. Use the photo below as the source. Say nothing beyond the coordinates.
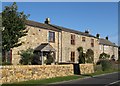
(32, 72)
(86, 68)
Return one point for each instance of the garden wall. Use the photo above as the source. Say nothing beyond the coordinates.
(16, 73)
(86, 68)
(28, 72)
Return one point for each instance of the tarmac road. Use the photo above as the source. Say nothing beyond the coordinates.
(112, 79)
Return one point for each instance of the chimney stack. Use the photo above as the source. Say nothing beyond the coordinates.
(98, 35)
(106, 37)
(87, 31)
(47, 21)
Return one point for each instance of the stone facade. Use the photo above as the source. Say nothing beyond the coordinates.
(110, 50)
(37, 35)
(67, 47)
(34, 38)
(62, 44)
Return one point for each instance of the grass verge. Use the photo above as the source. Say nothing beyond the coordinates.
(101, 72)
(44, 81)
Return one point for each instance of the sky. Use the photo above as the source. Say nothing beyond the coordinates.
(97, 17)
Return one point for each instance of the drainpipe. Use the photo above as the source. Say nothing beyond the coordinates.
(58, 47)
(113, 51)
(103, 48)
(61, 47)
(42, 57)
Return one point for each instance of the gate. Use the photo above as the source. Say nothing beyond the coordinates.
(76, 69)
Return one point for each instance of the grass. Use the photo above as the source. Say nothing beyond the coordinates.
(44, 81)
(101, 72)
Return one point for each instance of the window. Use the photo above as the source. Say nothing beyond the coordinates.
(83, 39)
(7, 56)
(73, 56)
(105, 47)
(51, 36)
(72, 39)
(92, 42)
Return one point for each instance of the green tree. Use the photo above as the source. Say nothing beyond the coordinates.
(81, 55)
(90, 56)
(0, 39)
(14, 26)
(26, 56)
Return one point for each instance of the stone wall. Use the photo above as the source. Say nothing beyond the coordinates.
(19, 73)
(32, 72)
(86, 68)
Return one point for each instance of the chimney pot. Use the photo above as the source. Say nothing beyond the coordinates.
(98, 35)
(47, 21)
(107, 37)
(87, 31)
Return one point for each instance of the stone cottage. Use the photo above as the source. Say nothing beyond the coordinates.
(109, 48)
(62, 42)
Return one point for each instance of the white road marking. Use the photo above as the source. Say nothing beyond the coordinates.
(113, 83)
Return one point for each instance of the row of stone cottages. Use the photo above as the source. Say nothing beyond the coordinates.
(62, 42)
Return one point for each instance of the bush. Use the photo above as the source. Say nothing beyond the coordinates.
(106, 65)
(6, 63)
(104, 56)
(26, 56)
(90, 56)
(81, 55)
(97, 68)
(36, 60)
(49, 59)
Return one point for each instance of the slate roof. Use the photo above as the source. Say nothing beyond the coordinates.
(72, 31)
(56, 28)
(44, 47)
(106, 42)
(40, 25)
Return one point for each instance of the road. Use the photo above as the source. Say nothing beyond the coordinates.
(101, 80)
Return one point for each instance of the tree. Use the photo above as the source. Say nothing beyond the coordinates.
(0, 39)
(14, 26)
(81, 55)
(90, 56)
(26, 56)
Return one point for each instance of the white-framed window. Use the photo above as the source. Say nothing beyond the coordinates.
(51, 36)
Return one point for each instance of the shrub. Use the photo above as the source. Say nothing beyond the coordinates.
(81, 55)
(97, 68)
(26, 56)
(106, 65)
(90, 56)
(6, 63)
(36, 60)
(49, 59)
(104, 56)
